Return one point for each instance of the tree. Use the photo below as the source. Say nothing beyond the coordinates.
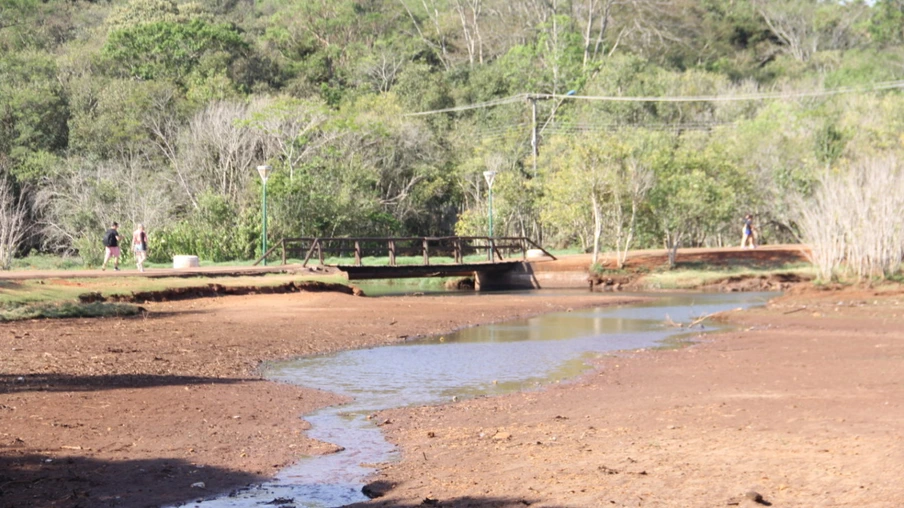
(585, 179)
(886, 25)
(107, 115)
(470, 13)
(633, 180)
(807, 26)
(141, 12)
(219, 152)
(695, 192)
(434, 35)
(85, 196)
(290, 129)
(33, 109)
(172, 50)
(606, 177)
(13, 222)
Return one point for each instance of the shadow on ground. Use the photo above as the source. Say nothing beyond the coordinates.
(20, 383)
(79, 482)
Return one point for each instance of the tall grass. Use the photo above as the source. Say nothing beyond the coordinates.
(853, 222)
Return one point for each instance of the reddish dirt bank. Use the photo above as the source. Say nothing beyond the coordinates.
(767, 256)
(802, 406)
(132, 412)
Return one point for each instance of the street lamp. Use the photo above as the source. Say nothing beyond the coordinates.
(490, 176)
(264, 171)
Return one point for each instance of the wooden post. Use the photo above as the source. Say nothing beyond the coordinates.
(357, 253)
(391, 252)
(426, 254)
(283, 243)
(458, 254)
(319, 250)
(310, 252)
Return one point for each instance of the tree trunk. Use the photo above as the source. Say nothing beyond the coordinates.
(597, 227)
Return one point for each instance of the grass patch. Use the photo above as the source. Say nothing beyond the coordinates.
(684, 277)
(47, 262)
(386, 286)
(67, 310)
(56, 291)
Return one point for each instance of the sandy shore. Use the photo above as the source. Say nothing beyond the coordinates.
(134, 411)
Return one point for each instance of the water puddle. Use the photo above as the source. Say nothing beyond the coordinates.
(485, 360)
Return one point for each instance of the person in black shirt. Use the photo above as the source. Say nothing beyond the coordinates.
(111, 247)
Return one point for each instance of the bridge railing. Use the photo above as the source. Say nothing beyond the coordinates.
(404, 250)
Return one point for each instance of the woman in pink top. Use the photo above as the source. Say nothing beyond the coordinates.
(140, 246)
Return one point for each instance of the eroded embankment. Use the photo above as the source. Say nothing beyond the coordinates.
(216, 290)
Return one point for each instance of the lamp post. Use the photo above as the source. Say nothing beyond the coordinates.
(264, 171)
(490, 176)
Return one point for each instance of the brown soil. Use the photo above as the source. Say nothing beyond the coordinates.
(767, 256)
(802, 406)
(640, 263)
(134, 411)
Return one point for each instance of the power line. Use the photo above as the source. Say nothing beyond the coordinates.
(614, 127)
(887, 85)
(875, 87)
(495, 133)
(488, 104)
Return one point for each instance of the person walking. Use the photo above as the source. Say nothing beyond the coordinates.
(111, 246)
(140, 246)
(749, 237)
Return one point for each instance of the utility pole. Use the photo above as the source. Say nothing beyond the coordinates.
(535, 128)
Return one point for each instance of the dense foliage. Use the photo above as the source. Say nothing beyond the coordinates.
(158, 111)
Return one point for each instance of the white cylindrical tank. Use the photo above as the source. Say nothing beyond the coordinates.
(186, 262)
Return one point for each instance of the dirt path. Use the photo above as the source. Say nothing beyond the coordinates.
(134, 411)
(802, 405)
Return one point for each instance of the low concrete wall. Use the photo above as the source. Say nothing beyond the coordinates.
(532, 275)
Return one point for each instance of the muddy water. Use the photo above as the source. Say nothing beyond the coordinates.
(485, 360)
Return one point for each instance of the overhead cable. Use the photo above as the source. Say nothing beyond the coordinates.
(874, 87)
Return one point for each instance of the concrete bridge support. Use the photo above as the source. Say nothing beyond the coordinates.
(520, 276)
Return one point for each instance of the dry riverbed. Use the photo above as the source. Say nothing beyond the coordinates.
(801, 406)
(168, 407)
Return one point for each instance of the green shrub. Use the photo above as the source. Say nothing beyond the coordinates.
(215, 232)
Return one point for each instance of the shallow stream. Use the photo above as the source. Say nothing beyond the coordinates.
(484, 360)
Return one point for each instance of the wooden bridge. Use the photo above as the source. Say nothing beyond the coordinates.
(406, 257)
